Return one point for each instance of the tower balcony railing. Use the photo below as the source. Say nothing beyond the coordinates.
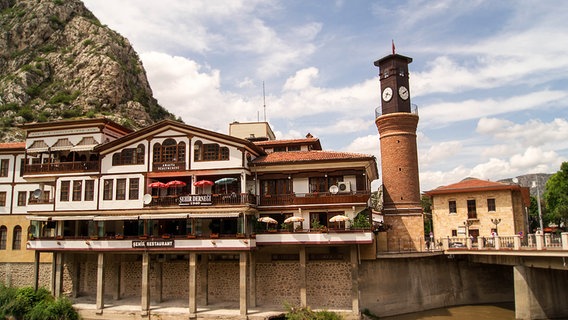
(379, 110)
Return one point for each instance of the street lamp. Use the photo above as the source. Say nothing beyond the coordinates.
(534, 185)
(496, 222)
(467, 223)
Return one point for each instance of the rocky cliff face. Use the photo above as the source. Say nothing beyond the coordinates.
(57, 61)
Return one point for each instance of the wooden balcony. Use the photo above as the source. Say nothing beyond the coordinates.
(314, 198)
(61, 167)
(202, 200)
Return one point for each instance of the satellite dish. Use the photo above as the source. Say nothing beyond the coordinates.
(37, 193)
(334, 189)
(147, 198)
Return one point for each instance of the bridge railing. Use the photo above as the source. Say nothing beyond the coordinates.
(515, 242)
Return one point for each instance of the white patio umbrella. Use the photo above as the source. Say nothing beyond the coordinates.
(339, 218)
(267, 220)
(294, 219)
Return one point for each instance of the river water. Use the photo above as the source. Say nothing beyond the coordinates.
(473, 312)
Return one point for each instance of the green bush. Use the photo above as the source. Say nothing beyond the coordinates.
(29, 304)
(305, 313)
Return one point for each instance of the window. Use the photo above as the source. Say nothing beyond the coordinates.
(4, 164)
(322, 184)
(3, 237)
(17, 239)
(491, 204)
(133, 188)
(107, 189)
(454, 233)
(2, 198)
(89, 190)
(471, 209)
(120, 189)
(294, 148)
(169, 151)
(22, 198)
(210, 152)
(77, 190)
(276, 186)
(452, 206)
(129, 156)
(279, 149)
(64, 195)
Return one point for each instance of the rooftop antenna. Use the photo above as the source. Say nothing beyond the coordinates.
(264, 100)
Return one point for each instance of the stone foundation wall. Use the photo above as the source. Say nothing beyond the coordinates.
(22, 274)
(329, 284)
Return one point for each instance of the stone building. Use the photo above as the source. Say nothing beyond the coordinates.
(92, 209)
(474, 207)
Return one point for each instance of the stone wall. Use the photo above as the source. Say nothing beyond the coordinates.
(22, 274)
(393, 286)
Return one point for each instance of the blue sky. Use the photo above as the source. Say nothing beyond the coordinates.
(489, 77)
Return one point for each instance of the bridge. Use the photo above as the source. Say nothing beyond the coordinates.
(540, 268)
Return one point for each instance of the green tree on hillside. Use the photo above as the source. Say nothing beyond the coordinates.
(556, 196)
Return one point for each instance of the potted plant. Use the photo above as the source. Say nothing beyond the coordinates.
(240, 235)
(214, 236)
(191, 236)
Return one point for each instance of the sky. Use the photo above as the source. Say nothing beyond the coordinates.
(490, 78)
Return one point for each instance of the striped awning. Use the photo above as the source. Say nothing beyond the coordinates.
(214, 215)
(114, 218)
(157, 216)
(59, 218)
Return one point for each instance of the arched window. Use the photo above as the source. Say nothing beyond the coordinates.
(17, 239)
(3, 237)
(169, 151)
(209, 152)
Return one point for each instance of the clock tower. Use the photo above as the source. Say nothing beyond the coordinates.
(397, 121)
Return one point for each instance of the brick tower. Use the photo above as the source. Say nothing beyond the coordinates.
(397, 121)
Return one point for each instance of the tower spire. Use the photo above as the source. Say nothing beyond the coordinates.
(393, 47)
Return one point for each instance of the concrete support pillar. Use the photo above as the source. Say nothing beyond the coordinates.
(58, 288)
(355, 279)
(100, 304)
(539, 293)
(497, 242)
(36, 269)
(204, 279)
(539, 237)
(243, 283)
(76, 276)
(117, 277)
(303, 278)
(480, 243)
(252, 279)
(145, 290)
(564, 237)
(193, 285)
(516, 242)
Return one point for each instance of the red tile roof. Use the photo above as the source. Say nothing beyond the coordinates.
(12, 145)
(471, 185)
(308, 156)
(286, 141)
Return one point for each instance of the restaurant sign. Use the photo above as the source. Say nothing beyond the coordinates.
(153, 244)
(195, 200)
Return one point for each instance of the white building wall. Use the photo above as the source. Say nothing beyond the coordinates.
(75, 205)
(121, 204)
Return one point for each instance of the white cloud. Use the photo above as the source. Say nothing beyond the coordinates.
(302, 79)
(439, 151)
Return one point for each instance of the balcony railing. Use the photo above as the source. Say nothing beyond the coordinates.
(202, 200)
(313, 198)
(59, 167)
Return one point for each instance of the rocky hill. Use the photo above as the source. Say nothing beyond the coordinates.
(57, 61)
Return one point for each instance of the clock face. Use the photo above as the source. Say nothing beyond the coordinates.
(403, 92)
(387, 94)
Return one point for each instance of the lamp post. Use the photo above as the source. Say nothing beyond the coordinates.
(535, 185)
(496, 222)
(467, 223)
